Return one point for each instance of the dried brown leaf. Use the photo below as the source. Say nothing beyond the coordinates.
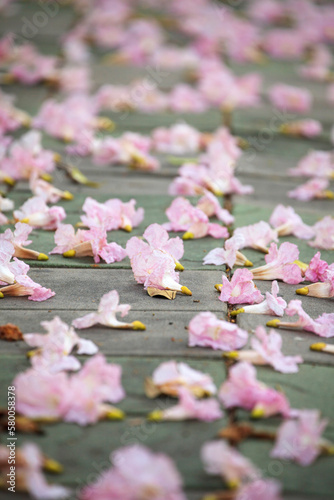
(168, 294)
(10, 332)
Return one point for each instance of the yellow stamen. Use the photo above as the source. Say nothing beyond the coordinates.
(25, 221)
(217, 192)
(186, 290)
(115, 414)
(188, 236)
(128, 228)
(218, 287)
(67, 195)
(302, 291)
(178, 266)
(32, 353)
(69, 254)
(52, 466)
(57, 157)
(257, 413)
(46, 177)
(329, 194)
(318, 346)
(210, 496)
(231, 355)
(237, 311)
(330, 450)
(302, 265)
(155, 416)
(8, 180)
(105, 123)
(42, 256)
(248, 263)
(138, 325)
(1, 295)
(233, 484)
(273, 323)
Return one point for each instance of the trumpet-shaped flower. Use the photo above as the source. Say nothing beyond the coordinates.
(240, 290)
(137, 473)
(6, 253)
(242, 389)
(177, 140)
(272, 304)
(286, 222)
(210, 205)
(257, 235)
(19, 239)
(206, 330)
(30, 463)
(324, 234)
(260, 489)
(67, 238)
(106, 314)
(280, 264)
(189, 408)
(37, 214)
(170, 376)
(314, 189)
(302, 128)
(317, 269)
(184, 217)
(288, 98)
(221, 459)
(229, 255)
(46, 191)
(322, 326)
(314, 164)
(53, 348)
(113, 214)
(300, 439)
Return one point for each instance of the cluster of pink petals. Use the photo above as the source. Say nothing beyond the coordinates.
(242, 389)
(206, 330)
(322, 326)
(137, 472)
(229, 255)
(289, 98)
(318, 269)
(219, 458)
(30, 67)
(189, 408)
(184, 99)
(108, 308)
(260, 489)
(318, 68)
(257, 235)
(300, 439)
(280, 264)
(43, 189)
(54, 348)
(37, 214)
(29, 472)
(315, 164)
(78, 398)
(209, 204)
(268, 348)
(272, 304)
(324, 234)
(67, 238)
(183, 216)
(177, 140)
(284, 44)
(170, 376)
(286, 221)
(112, 214)
(302, 128)
(27, 155)
(313, 189)
(241, 289)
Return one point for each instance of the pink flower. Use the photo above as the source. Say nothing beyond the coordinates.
(257, 235)
(229, 255)
(29, 472)
(284, 44)
(260, 489)
(242, 389)
(322, 326)
(313, 189)
(300, 440)
(302, 128)
(30, 67)
(205, 330)
(272, 304)
(106, 315)
(46, 191)
(106, 151)
(184, 99)
(221, 459)
(184, 217)
(137, 472)
(112, 214)
(178, 140)
(24, 285)
(324, 234)
(6, 254)
(37, 214)
(314, 164)
(209, 204)
(19, 239)
(241, 289)
(189, 408)
(286, 222)
(317, 269)
(288, 98)
(170, 376)
(280, 264)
